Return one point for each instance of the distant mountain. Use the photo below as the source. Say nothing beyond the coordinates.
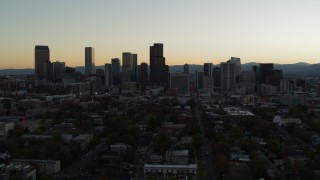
(16, 71)
(297, 69)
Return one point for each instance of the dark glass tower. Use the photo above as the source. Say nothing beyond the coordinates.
(158, 69)
(42, 62)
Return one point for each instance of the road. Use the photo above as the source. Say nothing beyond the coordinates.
(75, 169)
(206, 150)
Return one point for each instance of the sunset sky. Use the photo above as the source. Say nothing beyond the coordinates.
(192, 31)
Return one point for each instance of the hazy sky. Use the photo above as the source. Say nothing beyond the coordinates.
(197, 31)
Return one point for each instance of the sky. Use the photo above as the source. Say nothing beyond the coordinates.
(192, 31)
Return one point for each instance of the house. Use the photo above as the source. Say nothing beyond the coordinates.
(83, 139)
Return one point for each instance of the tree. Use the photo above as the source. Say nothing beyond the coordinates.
(249, 146)
(163, 140)
(221, 165)
(221, 147)
(258, 167)
(274, 146)
(197, 142)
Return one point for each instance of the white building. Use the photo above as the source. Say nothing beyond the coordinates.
(283, 122)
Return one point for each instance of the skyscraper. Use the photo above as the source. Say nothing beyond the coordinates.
(126, 69)
(89, 61)
(159, 71)
(42, 62)
(129, 67)
(108, 75)
(186, 68)
(199, 81)
(143, 75)
(133, 65)
(228, 76)
(207, 69)
(237, 62)
(58, 70)
(115, 63)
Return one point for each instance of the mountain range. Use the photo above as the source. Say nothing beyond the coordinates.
(297, 69)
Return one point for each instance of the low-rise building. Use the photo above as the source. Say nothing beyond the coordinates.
(164, 171)
(284, 122)
(5, 127)
(83, 139)
(118, 147)
(17, 171)
(44, 166)
(179, 157)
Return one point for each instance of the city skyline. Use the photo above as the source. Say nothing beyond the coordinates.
(195, 33)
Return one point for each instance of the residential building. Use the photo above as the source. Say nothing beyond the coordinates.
(5, 127)
(44, 166)
(17, 171)
(165, 171)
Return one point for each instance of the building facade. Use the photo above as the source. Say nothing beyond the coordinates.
(89, 61)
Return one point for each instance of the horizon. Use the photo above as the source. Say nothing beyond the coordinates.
(283, 32)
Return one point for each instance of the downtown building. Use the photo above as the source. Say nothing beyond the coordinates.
(159, 71)
(115, 63)
(43, 66)
(89, 61)
(228, 76)
(108, 75)
(143, 75)
(129, 71)
(179, 83)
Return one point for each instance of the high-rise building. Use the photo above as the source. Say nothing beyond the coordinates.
(58, 70)
(179, 82)
(108, 75)
(265, 70)
(186, 68)
(143, 74)
(129, 67)
(134, 68)
(207, 84)
(228, 76)
(115, 63)
(99, 78)
(199, 81)
(89, 61)
(159, 71)
(216, 78)
(42, 62)
(207, 69)
(237, 62)
(126, 67)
